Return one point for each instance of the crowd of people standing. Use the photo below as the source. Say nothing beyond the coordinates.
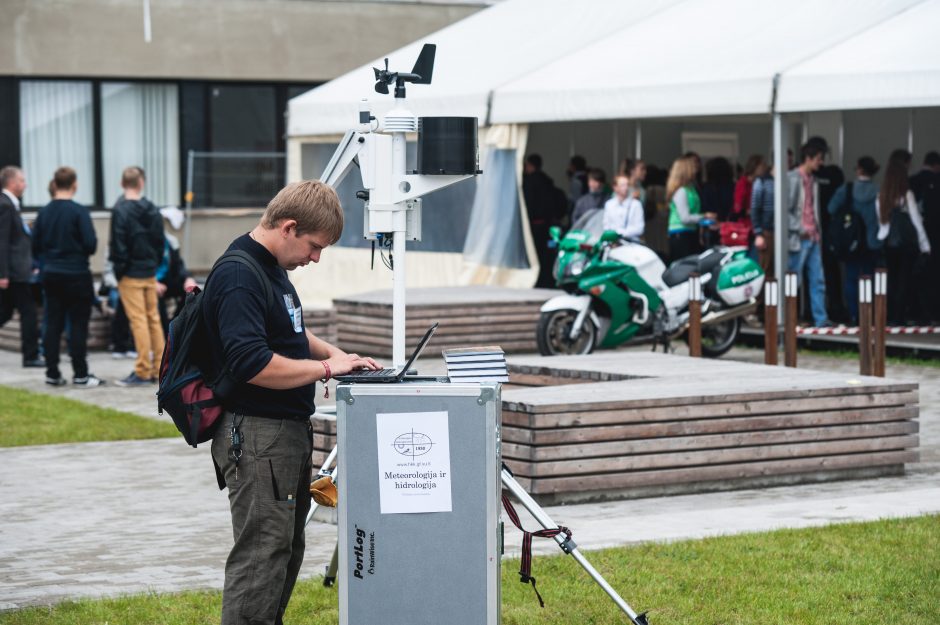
(45, 266)
(837, 230)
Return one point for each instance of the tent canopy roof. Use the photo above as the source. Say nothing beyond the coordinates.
(474, 57)
(524, 61)
(699, 57)
(894, 64)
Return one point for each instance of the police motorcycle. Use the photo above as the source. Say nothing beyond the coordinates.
(619, 291)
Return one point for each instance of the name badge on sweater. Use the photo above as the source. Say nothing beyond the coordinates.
(295, 314)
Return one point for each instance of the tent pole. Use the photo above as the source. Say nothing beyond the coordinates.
(615, 148)
(910, 131)
(841, 141)
(780, 221)
(638, 145)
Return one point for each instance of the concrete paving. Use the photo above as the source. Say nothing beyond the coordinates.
(104, 519)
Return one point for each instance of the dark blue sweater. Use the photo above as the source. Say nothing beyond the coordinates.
(244, 335)
(63, 238)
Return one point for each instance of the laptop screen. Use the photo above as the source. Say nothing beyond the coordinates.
(417, 352)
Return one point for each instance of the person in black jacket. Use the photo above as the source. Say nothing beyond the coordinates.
(546, 205)
(135, 251)
(16, 265)
(926, 187)
(596, 196)
(64, 239)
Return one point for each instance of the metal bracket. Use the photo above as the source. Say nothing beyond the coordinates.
(568, 545)
(487, 394)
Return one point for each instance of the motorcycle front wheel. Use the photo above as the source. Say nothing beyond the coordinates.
(554, 328)
(718, 338)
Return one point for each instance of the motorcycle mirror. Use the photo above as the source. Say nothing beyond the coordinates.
(555, 233)
(610, 236)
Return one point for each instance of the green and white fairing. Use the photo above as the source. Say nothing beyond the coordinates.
(739, 280)
(620, 290)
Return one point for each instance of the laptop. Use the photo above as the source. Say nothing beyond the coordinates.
(385, 376)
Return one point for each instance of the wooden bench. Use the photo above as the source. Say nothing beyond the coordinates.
(623, 424)
(99, 332)
(467, 316)
(633, 424)
(322, 322)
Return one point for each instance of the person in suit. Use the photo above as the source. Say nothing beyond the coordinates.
(16, 265)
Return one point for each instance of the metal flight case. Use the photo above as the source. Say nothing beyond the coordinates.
(419, 493)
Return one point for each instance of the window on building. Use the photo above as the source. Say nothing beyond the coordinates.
(140, 126)
(241, 170)
(56, 129)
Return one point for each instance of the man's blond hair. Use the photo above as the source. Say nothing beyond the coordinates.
(132, 177)
(312, 204)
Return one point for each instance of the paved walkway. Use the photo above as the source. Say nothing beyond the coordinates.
(96, 519)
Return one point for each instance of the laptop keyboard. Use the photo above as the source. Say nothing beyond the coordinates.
(367, 373)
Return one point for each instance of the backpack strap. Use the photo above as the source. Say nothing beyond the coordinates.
(244, 258)
(849, 200)
(223, 383)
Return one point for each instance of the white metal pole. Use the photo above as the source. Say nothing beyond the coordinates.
(638, 141)
(615, 148)
(400, 220)
(147, 33)
(910, 131)
(841, 141)
(780, 221)
(546, 522)
(190, 161)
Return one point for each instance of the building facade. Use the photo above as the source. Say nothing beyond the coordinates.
(102, 84)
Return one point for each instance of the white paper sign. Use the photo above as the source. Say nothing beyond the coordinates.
(414, 462)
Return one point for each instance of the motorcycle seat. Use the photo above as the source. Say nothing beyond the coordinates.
(703, 263)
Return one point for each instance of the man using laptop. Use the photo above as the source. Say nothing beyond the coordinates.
(388, 376)
(262, 447)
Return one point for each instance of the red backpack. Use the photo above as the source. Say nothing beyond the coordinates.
(191, 394)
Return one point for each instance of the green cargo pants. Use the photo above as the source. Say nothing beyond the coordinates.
(269, 496)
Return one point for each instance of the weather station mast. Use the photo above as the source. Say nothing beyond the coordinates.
(447, 153)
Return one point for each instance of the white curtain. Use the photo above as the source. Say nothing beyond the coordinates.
(498, 249)
(140, 126)
(56, 129)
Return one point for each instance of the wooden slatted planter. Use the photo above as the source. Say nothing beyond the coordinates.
(630, 424)
(467, 316)
(99, 333)
(624, 424)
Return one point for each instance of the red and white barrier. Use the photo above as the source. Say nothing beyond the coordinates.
(853, 330)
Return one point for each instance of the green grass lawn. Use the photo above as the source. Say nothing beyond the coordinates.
(36, 419)
(852, 574)
(851, 353)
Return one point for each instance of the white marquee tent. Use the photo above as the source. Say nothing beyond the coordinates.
(893, 64)
(527, 61)
(474, 57)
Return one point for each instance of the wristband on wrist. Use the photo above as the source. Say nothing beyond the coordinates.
(326, 378)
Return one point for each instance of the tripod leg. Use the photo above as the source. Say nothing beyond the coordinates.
(567, 545)
(324, 470)
(330, 577)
